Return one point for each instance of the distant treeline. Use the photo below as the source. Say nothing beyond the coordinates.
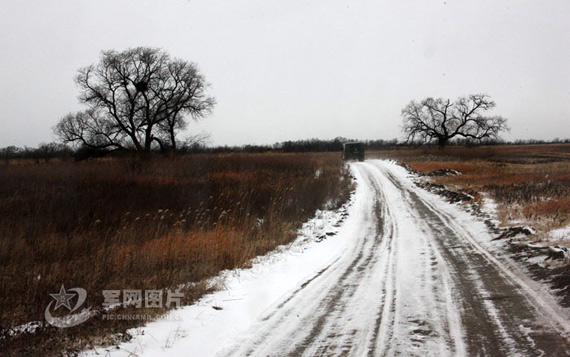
(308, 145)
(46, 152)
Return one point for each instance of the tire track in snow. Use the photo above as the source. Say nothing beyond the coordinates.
(330, 295)
(498, 317)
(425, 321)
(362, 303)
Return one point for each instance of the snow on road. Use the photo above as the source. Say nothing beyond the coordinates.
(406, 274)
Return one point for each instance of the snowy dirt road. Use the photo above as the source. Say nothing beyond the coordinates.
(407, 274)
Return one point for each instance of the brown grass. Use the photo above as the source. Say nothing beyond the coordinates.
(117, 224)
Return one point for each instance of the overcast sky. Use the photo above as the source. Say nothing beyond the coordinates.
(293, 69)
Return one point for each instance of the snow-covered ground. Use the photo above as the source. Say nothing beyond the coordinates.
(404, 273)
(560, 233)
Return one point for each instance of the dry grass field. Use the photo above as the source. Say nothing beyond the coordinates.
(124, 224)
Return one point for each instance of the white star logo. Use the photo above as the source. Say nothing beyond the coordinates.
(62, 298)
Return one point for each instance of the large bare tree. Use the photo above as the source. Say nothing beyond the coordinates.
(440, 120)
(136, 99)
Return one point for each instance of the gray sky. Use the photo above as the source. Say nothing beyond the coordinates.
(292, 69)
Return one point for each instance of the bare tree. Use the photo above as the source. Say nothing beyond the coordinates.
(440, 120)
(136, 99)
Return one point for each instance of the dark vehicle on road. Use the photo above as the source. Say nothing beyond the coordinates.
(352, 151)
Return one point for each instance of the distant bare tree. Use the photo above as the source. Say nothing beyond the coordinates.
(47, 151)
(136, 99)
(10, 152)
(197, 139)
(440, 120)
(193, 142)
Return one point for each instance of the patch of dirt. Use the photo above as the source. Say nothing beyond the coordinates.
(548, 264)
(443, 172)
(435, 173)
(512, 232)
(449, 195)
(554, 269)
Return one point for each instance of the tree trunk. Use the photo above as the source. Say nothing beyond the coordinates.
(172, 139)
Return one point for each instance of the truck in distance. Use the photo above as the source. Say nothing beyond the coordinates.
(353, 151)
